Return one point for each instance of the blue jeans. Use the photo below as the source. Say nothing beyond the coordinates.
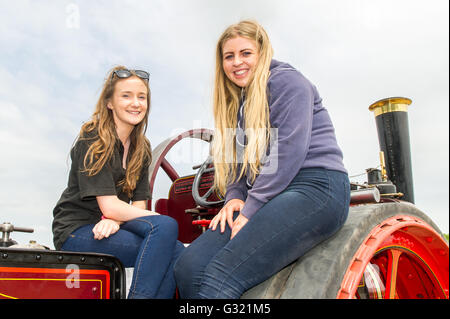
(149, 244)
(311, 209)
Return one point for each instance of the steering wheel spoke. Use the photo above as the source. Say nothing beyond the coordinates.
(209, 170)
(208, 193)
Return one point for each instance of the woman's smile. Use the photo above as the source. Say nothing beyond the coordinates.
(134, 112)
(241, 73)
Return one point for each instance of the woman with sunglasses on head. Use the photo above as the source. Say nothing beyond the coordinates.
(282, 173)
(103, 208)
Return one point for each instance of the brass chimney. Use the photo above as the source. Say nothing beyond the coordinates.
(391, 116)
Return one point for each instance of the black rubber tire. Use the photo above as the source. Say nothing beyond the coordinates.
(318, 274)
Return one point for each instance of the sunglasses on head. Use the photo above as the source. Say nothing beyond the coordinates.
(124, 73)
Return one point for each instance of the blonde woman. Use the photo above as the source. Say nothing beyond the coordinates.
(103, 208)
(282, 173)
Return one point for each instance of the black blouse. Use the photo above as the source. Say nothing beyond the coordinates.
(78, 205)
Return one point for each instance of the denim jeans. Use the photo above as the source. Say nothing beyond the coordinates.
(149, 244)
(311, 209)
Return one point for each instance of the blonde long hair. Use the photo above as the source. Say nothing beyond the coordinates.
(101, 149)
(226, 101)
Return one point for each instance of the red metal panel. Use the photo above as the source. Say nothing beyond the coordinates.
(51, 283)
(180, 199)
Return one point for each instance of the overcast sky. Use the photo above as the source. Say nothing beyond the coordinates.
(54, 56)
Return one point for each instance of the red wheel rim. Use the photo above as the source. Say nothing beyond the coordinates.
(403, 257)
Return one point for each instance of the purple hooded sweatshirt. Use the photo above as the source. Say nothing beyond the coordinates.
(304, 138)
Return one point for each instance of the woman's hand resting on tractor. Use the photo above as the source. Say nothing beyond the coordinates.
(225, 215)
(105, 228)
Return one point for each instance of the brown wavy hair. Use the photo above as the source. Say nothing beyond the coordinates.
(101, 149)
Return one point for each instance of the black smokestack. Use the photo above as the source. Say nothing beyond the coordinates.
(391, 116)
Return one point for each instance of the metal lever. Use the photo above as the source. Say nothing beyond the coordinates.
(6, 229)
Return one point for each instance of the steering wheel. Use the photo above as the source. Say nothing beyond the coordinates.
(203, 200)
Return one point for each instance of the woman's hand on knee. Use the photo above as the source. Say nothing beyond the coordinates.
(105, 228)
(225, 215)
(238, 224)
